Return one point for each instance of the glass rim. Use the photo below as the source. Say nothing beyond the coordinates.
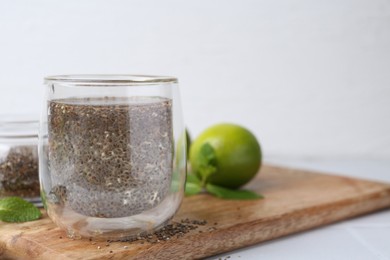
(11, 137)
(18, 126)
(110, 79)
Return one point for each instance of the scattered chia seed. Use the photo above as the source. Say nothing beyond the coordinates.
(19, 172)
(110, 157)
(175, 229)
(210, 229)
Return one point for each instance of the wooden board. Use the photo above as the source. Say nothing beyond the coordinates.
(295, 201)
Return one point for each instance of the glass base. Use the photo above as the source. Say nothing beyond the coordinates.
(78, 226)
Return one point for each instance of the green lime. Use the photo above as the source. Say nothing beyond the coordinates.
(237, 153)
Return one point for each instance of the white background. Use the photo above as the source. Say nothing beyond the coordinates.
(310, 78)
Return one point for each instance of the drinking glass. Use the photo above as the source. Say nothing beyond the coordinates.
(112, 154)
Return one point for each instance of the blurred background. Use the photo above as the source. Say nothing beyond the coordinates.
(310, 78)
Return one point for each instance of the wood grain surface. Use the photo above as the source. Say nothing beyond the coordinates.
(295, 201)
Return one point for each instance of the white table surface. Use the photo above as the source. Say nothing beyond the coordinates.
(366, 237)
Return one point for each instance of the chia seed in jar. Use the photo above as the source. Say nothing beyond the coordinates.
(19, 158)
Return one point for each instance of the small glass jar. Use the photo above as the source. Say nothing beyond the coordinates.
(112, 154)
(19, 157)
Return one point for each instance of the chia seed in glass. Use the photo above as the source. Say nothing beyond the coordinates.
(110, 157)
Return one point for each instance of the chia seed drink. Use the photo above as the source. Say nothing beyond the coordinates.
(112, 154)
(110, 157)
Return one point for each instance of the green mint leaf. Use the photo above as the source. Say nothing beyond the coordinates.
(193, 185)
(207, 155)
(225, 193)
(192, 188)
(14, 209)
(207, 162)
(193, 178)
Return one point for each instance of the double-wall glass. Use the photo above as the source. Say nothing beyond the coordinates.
(112, 153)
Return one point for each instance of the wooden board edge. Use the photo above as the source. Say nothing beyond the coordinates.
(258, 231)
(303, 170)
